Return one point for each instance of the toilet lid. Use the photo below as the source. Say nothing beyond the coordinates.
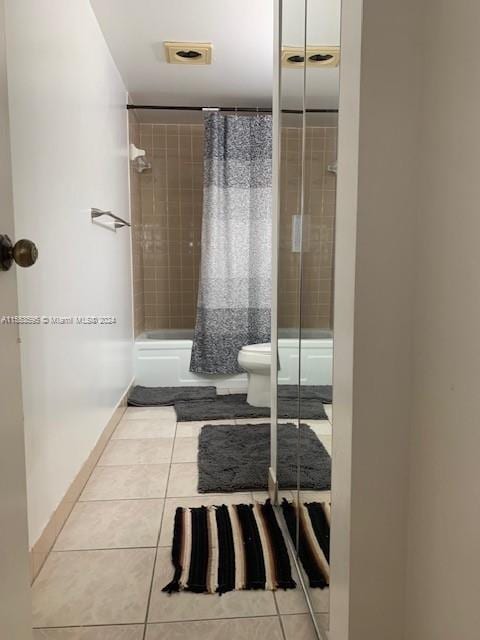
(265, 347)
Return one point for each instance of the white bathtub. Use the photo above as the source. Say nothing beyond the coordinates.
(162, 359)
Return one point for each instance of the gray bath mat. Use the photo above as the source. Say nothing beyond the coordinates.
(165, 396)
(235, 405)
(308, 392)
(237, 458)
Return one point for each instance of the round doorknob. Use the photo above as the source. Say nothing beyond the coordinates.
(24, 252)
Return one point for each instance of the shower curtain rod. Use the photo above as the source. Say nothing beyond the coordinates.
(234, 109)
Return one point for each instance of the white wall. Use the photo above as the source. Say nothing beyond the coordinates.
(405, 539)
(69, 153)
(443, 587)
(376, 210)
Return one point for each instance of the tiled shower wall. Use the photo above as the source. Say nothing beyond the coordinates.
(167, 214)
(318, 253)
(171, 196)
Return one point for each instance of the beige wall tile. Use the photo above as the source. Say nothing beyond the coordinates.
(167, 207)
(167, 253)
(317, 268)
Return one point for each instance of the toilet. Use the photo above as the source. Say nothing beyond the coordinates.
(256, 360)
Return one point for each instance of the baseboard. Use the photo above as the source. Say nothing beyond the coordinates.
(43, 546)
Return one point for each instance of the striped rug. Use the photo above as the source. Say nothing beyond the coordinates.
(313, 538)
(218, 549)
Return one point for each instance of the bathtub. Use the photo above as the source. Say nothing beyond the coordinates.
(162, 359)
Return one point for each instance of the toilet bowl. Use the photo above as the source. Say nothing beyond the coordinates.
(256, 360)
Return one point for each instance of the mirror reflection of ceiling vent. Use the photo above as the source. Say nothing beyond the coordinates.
(317, 56)
(188, 52)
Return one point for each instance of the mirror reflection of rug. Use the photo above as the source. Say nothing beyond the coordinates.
(309, 528)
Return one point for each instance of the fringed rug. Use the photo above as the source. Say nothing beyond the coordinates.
(241, 547)
(226, 548)
(313, 535)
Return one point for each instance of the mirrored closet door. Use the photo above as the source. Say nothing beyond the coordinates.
(309, 76)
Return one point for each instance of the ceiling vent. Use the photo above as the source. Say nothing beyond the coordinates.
(188, 52)
(317, 56)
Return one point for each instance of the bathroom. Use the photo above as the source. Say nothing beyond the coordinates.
(229, 230)
(188, 373)
(167, 235)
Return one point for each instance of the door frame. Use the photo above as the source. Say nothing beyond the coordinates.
(344, 305)
(15, 596)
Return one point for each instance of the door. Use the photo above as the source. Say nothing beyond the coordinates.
(15, 606)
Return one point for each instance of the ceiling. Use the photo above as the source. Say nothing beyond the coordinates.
(242, 35)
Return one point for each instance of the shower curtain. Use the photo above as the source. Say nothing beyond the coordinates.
(233, 307)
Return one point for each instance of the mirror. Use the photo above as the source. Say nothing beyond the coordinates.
(310, 86)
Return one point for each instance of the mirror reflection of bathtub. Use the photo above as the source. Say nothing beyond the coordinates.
(162, 358)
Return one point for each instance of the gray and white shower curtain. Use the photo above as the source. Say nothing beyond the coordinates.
(235, 275)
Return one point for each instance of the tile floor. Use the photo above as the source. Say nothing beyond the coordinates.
(103, 578)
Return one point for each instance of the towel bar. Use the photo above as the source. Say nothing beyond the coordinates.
(118, 222)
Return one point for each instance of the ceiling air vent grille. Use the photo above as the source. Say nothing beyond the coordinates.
(317, 56)
(188, 52)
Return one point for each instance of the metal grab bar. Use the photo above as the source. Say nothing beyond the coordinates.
(118, 222)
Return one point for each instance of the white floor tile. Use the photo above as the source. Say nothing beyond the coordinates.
(144, 451)
(121, 632)
(77, 588)
(134, 429)
(183, 480)
(327, 443)
(125, 482)
(300, 627)
(111, 524)
(315, 496)
(241, 421)
(320, 427)
(192, 429)
(234, 629)
(191, 606)
(328, 410)
(320, 599)
(150, 413)
(185, 450)
(262, 496)
(293, 601)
